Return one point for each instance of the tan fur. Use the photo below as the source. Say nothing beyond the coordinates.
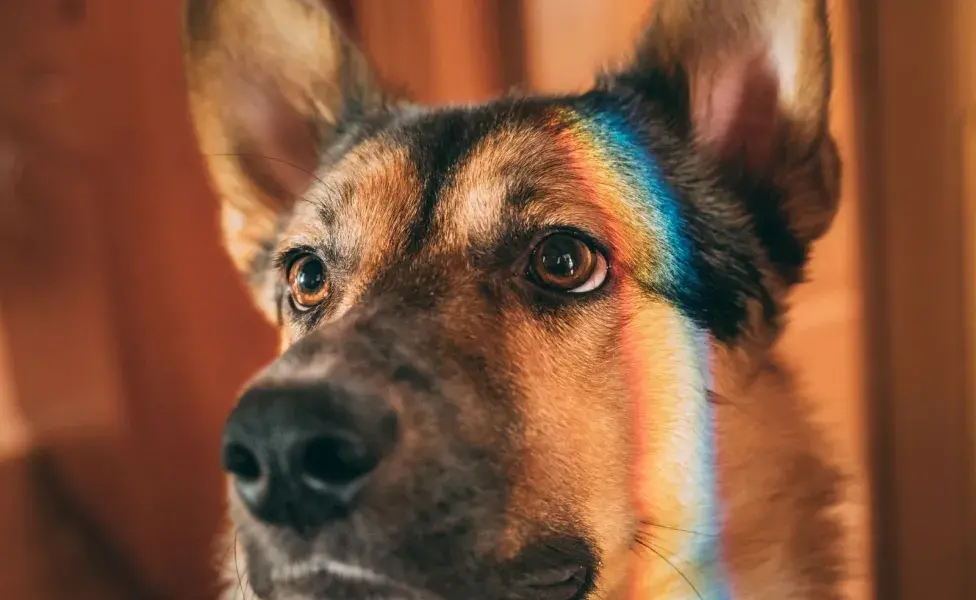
(374, 187)
(768, 448)
(292, 47)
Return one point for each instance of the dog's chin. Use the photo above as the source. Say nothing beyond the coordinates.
(321, 578)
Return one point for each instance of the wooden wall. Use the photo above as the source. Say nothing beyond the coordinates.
(919, 93)
(14, 430)
(128, 330)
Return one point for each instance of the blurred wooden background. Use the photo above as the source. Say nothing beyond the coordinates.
(124, 333)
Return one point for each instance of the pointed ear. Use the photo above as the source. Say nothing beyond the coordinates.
(271, 82)
(753, 79)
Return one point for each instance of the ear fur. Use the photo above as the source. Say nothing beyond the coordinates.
(756, 79)
(270, 82)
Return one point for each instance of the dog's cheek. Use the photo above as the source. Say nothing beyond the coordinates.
(572, 473)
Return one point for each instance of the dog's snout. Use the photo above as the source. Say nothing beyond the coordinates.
(300, 456)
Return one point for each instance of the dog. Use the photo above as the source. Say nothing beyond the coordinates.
(526, 346)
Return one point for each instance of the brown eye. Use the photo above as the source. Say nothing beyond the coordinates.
(566, 263)
(307, 280)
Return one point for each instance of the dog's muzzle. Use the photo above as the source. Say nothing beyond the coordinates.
(364, 468)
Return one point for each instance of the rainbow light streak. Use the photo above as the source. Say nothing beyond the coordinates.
(674, 482)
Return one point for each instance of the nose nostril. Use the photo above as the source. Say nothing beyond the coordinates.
(241, 462)
(335, 461)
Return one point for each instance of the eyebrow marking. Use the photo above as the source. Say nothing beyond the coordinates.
(440, 146)
(329, 198)
(500, 173)
(521, 193)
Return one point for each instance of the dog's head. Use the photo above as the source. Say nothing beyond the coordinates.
(495, 320)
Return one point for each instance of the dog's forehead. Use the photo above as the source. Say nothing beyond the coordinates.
(444, 180)
(444, 190)
(430, 181)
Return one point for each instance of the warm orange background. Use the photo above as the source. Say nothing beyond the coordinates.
(124, 333)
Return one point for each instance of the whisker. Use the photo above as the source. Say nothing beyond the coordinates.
(246, 584)
(301, 197)
(650, 546)
(646, 540)
(674, 553)
(266, 157)
(678, 529)
(237, 567)
(222, 561)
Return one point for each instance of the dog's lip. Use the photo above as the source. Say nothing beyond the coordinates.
(558, 583)
(309, 573)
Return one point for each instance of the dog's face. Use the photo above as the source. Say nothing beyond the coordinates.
(495, 321)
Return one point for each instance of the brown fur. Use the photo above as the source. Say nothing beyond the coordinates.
(514, 406)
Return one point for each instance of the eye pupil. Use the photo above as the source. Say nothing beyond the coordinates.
(311, 276)
(308, 280)
(559, 260)
(564, 262)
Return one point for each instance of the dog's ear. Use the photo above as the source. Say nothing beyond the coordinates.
(751, 81)
(270, 83)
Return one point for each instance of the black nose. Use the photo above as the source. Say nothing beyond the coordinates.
(300, 456)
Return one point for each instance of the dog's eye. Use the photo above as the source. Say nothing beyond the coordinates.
(565, 263)
(307, 281)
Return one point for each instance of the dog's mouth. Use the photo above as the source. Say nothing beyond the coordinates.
(320, 577)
